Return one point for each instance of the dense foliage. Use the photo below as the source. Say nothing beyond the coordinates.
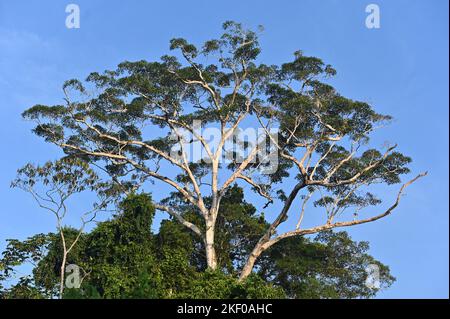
(122, 258)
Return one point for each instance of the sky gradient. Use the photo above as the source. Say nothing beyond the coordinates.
(401, 69)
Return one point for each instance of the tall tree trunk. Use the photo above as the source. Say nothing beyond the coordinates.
(264, 241)
(64, 259)
(247, 270)
(250, 263)
(63, 270)
(211, 259)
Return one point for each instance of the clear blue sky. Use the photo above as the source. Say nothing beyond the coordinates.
(401, 68)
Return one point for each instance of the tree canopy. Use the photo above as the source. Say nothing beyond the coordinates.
(200, 126)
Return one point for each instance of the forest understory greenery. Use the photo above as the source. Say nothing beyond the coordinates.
(122, 258)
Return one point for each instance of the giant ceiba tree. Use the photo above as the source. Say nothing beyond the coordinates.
(136, 124)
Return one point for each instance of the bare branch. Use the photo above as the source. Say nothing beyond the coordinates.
(265, 242)
(178, 217)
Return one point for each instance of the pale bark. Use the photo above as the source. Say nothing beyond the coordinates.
(266, 242)
(179, 218)
(211, 258)
(63, 264)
